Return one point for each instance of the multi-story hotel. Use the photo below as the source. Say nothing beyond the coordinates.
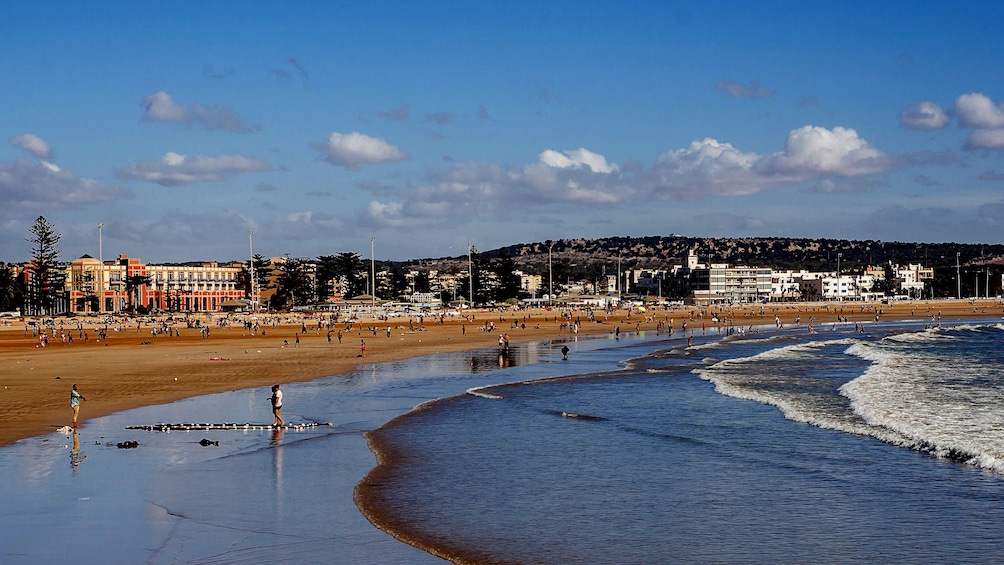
(118, 285)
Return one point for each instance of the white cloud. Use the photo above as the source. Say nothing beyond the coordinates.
(577, 158)
(812, 150)
(43, 186)
(161, 107)
(572, 180)
(976, 110)
(34, 144)
(985, 139)
(924, 115)
(386, 214)
(353, 149)
(705, 167)
(176, 169)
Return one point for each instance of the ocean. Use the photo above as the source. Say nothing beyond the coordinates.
(881, 445)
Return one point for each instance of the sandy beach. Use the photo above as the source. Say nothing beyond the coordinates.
(133, 367)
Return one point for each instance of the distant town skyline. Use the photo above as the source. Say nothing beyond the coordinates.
(428, 126)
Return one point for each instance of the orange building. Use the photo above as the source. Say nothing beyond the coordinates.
(121, 284)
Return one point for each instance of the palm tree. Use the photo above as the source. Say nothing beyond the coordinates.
(132, 285)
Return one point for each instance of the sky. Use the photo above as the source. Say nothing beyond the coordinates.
(410, 129)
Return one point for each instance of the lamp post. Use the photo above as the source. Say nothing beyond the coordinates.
(958, 277)
(373, 275)
(101, 272)
(550, 276)
(251, 294)
(839, 255)
(618, 280)
(470, 273)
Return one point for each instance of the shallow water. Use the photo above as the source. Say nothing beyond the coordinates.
(253, 498)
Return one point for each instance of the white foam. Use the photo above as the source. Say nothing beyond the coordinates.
(478, 391)
(945, 406)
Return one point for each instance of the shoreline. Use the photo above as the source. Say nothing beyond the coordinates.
(134, 368)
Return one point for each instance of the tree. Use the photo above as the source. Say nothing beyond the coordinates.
(480, 268)
(45, 283)
(889, 285)
(327, 271)
(11, 290)
(261, 271)
(349, 270)
(422, 282)
(292, 284)
(133, 283)
(508, 282)
(398, 283)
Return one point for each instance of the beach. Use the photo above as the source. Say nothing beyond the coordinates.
(134, 368)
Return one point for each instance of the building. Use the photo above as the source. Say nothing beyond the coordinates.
(126, 282)
(722, 284)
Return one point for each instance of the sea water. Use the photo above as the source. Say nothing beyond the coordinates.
(782, 447)
(772, 447)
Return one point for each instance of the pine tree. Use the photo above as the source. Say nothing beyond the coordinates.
(47, 277)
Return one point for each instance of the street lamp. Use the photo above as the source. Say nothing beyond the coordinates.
(958, 277)
(550, 276)
(839, 255)
(618, 280)
(252, 295)
(373, 274)
(101, 272)
(470, 274)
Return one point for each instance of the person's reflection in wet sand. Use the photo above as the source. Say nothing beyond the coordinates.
(75, 456)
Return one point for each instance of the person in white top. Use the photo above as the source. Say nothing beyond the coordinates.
(276, 400)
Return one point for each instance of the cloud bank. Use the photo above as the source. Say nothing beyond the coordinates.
(705, 168)
(28, 186)
(175, 169)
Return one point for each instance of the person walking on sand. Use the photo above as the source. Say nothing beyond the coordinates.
(362, 348)
(276, 400)
(75, 398)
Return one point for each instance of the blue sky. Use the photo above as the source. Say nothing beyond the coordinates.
(425, 125)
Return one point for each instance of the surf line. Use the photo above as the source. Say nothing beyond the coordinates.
(479, 391)
(224, 426)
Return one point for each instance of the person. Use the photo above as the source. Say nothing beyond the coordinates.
(362, 348)
(276, 400)
(75, 398)
(564, 352)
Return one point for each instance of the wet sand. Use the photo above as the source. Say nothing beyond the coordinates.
(133, 368)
